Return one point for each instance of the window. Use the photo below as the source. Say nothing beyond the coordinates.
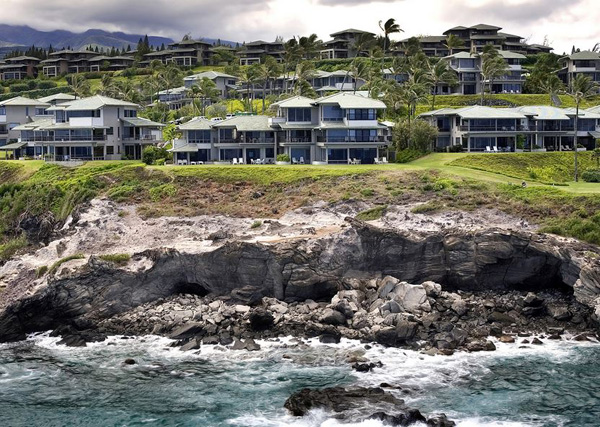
(130, 113)
(299, 115)
(84, 114)
(362, 114)
(2, 111)
(332, 113)
(110, 131)
(362, 135)
(110, 150)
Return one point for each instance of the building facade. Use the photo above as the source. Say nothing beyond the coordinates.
(253, 52)
(586, 63)
(341, 45)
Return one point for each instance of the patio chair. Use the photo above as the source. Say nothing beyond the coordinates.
(384, 160)
(241, 161)
(294, 161)
(234, 161)
(376, 161)
(193, 163)
(495, 149)
(488, 149)
(301, 160)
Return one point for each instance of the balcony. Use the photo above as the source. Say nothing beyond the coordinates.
(72, 138)
(347, 139)
(141, 138)
(296, 140)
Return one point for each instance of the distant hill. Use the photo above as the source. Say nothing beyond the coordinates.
(21, 37)
(16, 36)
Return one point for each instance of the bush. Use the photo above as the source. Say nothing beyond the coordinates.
(31, 84)
(592, 175)
(151, 154)
(160, 162)
(256, 224)
(162, 192)
(408, 155)
(119, 259)
(18, 87)
(372, 214)
(47, 84)
(283, 158)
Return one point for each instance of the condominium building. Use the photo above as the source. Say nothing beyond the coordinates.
(67, 62)
(340, 128)
(223, 82)
(253, 52)
(190, 53)
(19, 68)
(540, 128)
(586, 63)
(468, 68)
(110, 63)
(15, 112)
(88, 129)
(342, 44)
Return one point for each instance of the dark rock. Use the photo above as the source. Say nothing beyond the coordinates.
(533, 311)
(411, 416)
(496, 316)
(490, 346)
(507, 339)
(560, 313)
(536, 341)
(333, 317)
(405, 331)
(261, 320)
(73, 341)
(211, 340)
(193, 344)
(532, 300)
(440, 420)
(330, 338)
(187, 331)
(129, 362)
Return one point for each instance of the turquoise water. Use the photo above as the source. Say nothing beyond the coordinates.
(41, 384)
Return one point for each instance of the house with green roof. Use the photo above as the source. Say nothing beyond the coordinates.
(90, 128)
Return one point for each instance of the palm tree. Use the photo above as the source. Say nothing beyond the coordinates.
(267, 71)
(553, 86)
(437, 73)
(291, 57)
(454, 42)
(493, 66)
(363, 43)
(580, 88)
(411, 93)
(79, 85)
(390, 27)
(248, 77)
(309, 46)
(304, 72)
(108, 86)
(361, 69)
(204, 90)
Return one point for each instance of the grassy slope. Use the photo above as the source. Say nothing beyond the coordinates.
(48, 192)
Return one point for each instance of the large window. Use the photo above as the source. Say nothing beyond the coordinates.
(2, 111)
(332, 113)
(362, 135)
(299, 115)
(130, 113)
(199, 136)
(362, 114)
(84, 113)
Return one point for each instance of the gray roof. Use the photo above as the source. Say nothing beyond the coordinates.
(95, 102)
(173, 91)
(341, 125)
(484, 27)
(349, 100)
(22, 58)
(24, 102)
(585, 55)
(544, 112)
(350, 30)
(478, 112)
(197, 124)
(13, 146)
(246, 123)
(209, 75)
(187, 148)
(583, 114)
(34, 125)
(58, 97)
(295, 102)
(141, 122)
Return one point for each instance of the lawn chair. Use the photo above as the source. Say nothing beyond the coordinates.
(384, 160)
(376, 161)
(234, 161)
(241, 161)
(294, 161)
(301, 160)
(496, 149)
(488, 149)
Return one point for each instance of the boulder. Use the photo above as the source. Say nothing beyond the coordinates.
(187, 331)
(261, 320)
(405, 331)
(330, 338)
(193, 344)
(432, 289)
(332, 317)
(559, 312)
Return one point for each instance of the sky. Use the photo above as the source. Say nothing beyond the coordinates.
(564, 22)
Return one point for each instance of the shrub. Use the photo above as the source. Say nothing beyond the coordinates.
(372, 214)
(160, 162)
(426, 208)
(591, 175)
(119, 259)
(408, 155)
(60, 262)
(18, 87)
(8, 249)
(256, 224)
(162, 192)
(367, 192)
(47, 84)
(41, 271)
(283, 158)
(151, 154)
(31, 84)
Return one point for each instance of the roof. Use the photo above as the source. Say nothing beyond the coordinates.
(36, 124)
(583, 114)
(209, 75)
(95, 102)
(349, 100)
(482, 27)
(246, 123)
(512, 36)
(173, 91)
(478, 112)
(58, 97)
(341, 125)
(350, 30)
(295, 102)
(262, 42)
(585, 55)
(507, 54)
(13, 146)
(141, 122)
(544, 112)
(595, 109)
(196, 123)
(22, 58)
(187, 148)
(190, 42)
(24, 102)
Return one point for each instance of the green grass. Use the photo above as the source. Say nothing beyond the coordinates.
(61, 261)
(118, 259)
(372, 214)
(549, 168)
(11, 247)
(256, 224)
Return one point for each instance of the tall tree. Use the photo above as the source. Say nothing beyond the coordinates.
(389, 27)
(248, 77)
(291, 58)
(454, 42)
(79, 85)
(204, 90)
(268, 71)
(440, 72)
(580, 88)
(493, 66)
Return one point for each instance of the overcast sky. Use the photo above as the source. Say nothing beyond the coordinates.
(564, 22)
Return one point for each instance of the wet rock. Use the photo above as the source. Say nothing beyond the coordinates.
(496, 316)
(559, 312)
(536, 341)
(187, 331)
(507, 339)
(193, 344)
(411, 416)
(261, 320)
(333, 317)
(330, 338)
(73, 341)
(405, 331)
(129, 362)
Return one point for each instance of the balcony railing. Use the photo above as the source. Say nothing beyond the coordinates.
(246, 141)
(140, 138)
(296, 140)
(352, 139)
(64, 139)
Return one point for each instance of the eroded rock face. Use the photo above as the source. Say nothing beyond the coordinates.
(313, 269)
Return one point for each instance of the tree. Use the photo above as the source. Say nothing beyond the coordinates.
(291, 58)
(267, 71)
(493, 66)
(79, 85)
(553, 86)
(389, 27)
(248, 77)
(362, 44)
(440, 72)
(580, 88)
(420, 135)
(204, 90)
(309, 46)
(454, 42)
(304, 72)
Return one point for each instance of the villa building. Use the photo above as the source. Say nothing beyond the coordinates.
(190, 53)
(468, 68)
(341, 45)
(341, 128)
(110, 63)
(474, 39)
(586, 63)
(223, 82)
(19, 68)
(67, 62)
(15, 112)
(253, 52)
(91, 128)
(541, 128)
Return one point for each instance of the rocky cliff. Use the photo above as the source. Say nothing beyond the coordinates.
(308, 268)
